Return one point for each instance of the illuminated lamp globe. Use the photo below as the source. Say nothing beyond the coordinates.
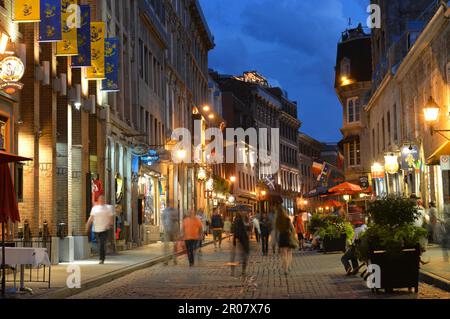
(431, 111)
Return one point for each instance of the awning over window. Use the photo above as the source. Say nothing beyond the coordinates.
(435, 159)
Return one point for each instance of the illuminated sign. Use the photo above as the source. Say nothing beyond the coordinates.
(11, 72)
(151, 157)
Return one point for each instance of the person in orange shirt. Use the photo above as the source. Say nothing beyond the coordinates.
(300, 229)
(192, 233)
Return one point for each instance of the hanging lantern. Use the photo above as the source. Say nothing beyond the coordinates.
(391, 163)
(201, 174)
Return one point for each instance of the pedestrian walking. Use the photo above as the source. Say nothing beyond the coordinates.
(241, 241)
(265, 227)
(227, 228)
(192, 233)
(287, 239)
(102, 217)
(201, 215)
(171, 224)
(432, 226)
(350, 254)
(256, 228)
(300, 230)
(217, 225)
(273, 231)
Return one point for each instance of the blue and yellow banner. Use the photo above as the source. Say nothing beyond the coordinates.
(68, 46)
(50, 26)
(111, 83)
(97, 70)
(83, 59)
(27, 10)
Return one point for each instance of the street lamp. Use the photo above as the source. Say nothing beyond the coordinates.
(181, 154)
(431, 114)
(431, 110)
(206, 108)
(233, 179)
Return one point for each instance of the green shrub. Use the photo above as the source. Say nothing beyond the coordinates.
(331, 226)
(392, 227)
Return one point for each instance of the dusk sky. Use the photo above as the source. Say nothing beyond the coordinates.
(293, 44)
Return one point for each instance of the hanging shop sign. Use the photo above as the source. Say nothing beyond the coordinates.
(97, 70)
(445, 163)
(364, 182)
(83, 59)
(69, 44)
(11, 72)
(410, 156)
(377, 171)
(27, 10)
(50, 26)
(391, 164)
(151, 157)
(140, 150)
(111, 83)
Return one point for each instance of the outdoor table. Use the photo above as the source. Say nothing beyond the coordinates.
(25, 256)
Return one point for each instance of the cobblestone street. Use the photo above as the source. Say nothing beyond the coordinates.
(313, 275)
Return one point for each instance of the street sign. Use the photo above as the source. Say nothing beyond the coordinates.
(445, 163)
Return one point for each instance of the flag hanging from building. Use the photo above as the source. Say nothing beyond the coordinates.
(97, 70)
(69, 22)
(83, 59)
(111, 83)
(50, 26)
(27, 10)
(317, 168)
(324, 173)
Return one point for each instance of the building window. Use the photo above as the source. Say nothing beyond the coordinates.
(141, 58)
(389, 127)
(395, 124)
(384, 133)
(353, 110)
(354, 153)
(345, 67)
(373, 143)
(19, 182)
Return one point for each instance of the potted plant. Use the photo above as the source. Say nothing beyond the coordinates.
(334, 231)
(393, 243)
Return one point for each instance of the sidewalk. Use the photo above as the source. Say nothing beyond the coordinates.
(437, 272)
(93, 274)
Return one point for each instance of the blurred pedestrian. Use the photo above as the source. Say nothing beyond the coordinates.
(265, 227)
(300, 230)
(201, 215)
(273, 231)
(102, 217)
(256, 227)
(227, 228)
(192, 233)
(171, 224)
(241, 241)
(287, 239)
(432, 213)
(217, 225)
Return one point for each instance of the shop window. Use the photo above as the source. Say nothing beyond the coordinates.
(3, 133)
(345, 67)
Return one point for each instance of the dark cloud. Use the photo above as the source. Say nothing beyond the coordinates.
(292, 42)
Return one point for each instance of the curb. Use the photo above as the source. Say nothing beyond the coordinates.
(63, 293)
(434, 280)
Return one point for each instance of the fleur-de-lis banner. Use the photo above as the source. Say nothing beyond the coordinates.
(111, 83)
(97, 70)
(83, 59)
(68, 46)
(27, 10)
(50, 26)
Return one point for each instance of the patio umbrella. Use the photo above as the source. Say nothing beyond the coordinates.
(8, 202)
(333, 203)
(346, 189)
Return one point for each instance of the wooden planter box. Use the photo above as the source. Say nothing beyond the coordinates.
(334, 244)
(401, 271)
